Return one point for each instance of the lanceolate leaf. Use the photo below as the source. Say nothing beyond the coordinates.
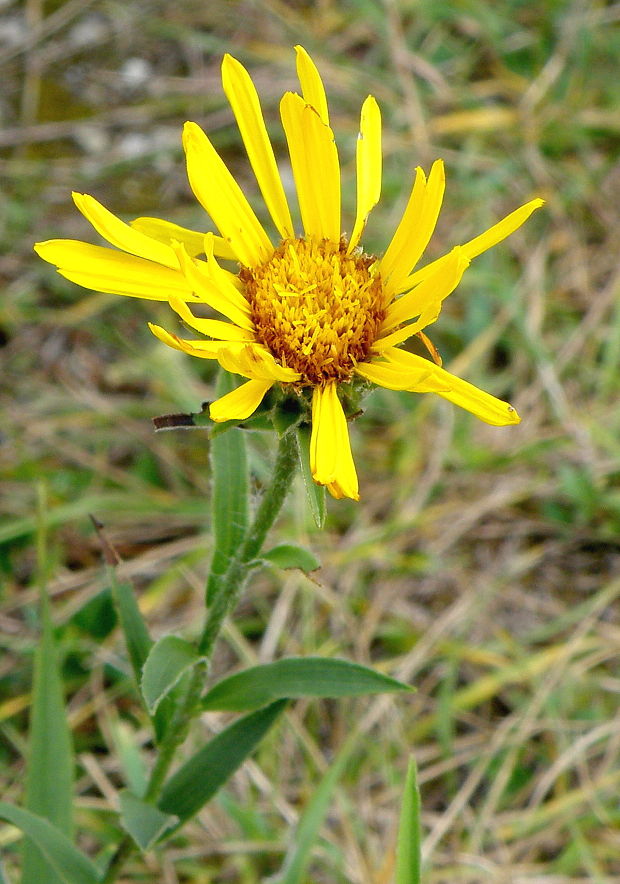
(144, 822)
(134, 628)
(408, 861)
(49, 782)
(70, 864)
(315, 493)
(170, 658)
(230, 490)
(289, 555)
(297, 677)
(197, 781)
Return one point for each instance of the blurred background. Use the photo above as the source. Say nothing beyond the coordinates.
(482, 565)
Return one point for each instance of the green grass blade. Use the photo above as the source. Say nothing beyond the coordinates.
(49, 779)
(314, 492)
(408, 857)
(296, 677)
(69, 865)
(296, 862)
(230, 495)
(197, 781)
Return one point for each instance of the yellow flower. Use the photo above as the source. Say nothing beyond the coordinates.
(313, 311)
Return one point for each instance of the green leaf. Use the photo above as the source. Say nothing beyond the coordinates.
(70, 864)
(197, 781)
(230, 493)
(299, 855)
(297, 677)
(49, 781)
(144, 822)
(314, 492)
(137, 638)
(127, 750)
(3, 876)
(170, 658)
(290, 555)
(408, 856)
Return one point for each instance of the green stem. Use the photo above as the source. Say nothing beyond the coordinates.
(239, 568)
(225, 600)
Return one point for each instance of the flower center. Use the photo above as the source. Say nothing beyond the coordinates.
(315, 307)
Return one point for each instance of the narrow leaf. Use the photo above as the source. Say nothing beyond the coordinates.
(197, 781)
(408, 856)
(170, 658)
(3, 876)
(297, 677)
(70, 864)
(49, 781)
(144, 822)
(230, 493)
(314, 492)
(130, 759)
(289, 555)
(135, 632)
(298, 857)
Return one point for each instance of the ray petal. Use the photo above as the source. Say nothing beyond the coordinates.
(243, 98)
(193, 240)
(199, 276)
(202, 349)
(311, 83)
(331, 461)
(415, 229)
(483, 405)
(214, 328)
(122, 235)
(481, 243)
(240, 403)
(116, 273)
(424, 301)
(368, 156)
(222, 198)
(314, 159)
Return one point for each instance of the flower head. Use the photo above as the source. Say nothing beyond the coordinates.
(312, 311)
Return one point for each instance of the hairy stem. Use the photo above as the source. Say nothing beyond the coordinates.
(223, 603)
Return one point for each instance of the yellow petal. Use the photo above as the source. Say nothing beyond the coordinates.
(256, 362)
(480, 243)
(244, 101)
(394, 377)
(240, 403)
(312, 87)
(106, 270)
(193, 240)
(368, 156)
(202, 349)
(424, 301)
(122, 235)
(222, 198)
(224, 279)
(484, 406)
(331, 461)
(199, 277)
(314, 159)
(214, 328)
(415, 229)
